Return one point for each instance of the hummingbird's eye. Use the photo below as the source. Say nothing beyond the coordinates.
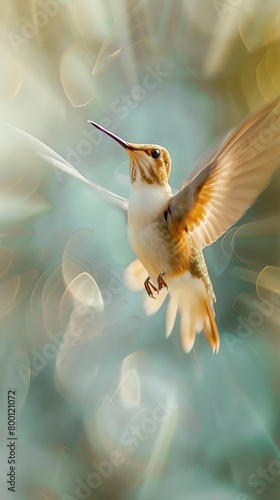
(155, 153)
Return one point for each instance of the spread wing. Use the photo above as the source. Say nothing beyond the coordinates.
(216, 197)
(59, 162)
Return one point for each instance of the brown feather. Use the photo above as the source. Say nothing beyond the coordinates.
(211, 330)
(219, 195)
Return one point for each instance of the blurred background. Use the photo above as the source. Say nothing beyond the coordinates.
(106, 407)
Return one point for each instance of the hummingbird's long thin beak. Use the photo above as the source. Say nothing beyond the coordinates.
(123, 143)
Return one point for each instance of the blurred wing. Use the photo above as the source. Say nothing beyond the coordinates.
(59, 162)
(134, 276)
(219, 195)
(207, 157)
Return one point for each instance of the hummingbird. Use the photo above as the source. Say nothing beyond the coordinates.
(168, 231)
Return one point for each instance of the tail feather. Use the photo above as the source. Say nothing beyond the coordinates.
(171, 313)
(187, 331)
(189, 296)
(211, 330)
(151, 306)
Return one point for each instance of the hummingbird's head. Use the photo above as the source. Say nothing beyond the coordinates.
(149, 163)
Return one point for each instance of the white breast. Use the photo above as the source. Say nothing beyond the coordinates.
(145, 202)
(144, 205)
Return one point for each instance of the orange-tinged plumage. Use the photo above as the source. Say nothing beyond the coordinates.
(168, 233)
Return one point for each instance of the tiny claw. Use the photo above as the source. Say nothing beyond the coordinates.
(161, 281)
(149, 286)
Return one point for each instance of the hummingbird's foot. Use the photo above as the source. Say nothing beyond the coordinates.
(149, 287)
(161, 281)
